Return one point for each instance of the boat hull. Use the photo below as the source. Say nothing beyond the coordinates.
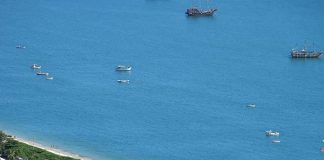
(123, 81)
(123, 68)
(305, 56)
(296, 54)
(276, 141)
(271, 133)
(42, 74)
(49, 78)
(251, 105)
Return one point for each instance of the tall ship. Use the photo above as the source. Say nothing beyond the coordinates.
(194, 11)
(305, 53)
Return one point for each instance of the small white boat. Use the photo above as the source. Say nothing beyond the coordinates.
(123, 81)
(42, 73)
(276, 141)
(20, 46)
(272, 133)
(123, 68)
(323, 141)
(35, 66)
(49, 78)
(322, 149)
(251, 105)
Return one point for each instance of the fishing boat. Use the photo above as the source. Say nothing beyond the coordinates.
(123, 68)
(195, 11)
(35, 66)
(123, 81)
(272, 133)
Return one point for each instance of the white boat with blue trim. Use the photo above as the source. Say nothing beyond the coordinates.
(123, 68)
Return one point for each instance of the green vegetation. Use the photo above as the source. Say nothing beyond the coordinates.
(12, 150)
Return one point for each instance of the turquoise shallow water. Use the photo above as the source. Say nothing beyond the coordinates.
(191, 81)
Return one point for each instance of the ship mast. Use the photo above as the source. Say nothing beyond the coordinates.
(193, 4)
(305, 45)
(207, 2)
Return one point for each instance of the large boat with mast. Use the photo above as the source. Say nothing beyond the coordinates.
(304, 53)
(195, 11)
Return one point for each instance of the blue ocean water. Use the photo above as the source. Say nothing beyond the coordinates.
(191, 81)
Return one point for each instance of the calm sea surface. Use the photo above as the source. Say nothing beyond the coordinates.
(191, 81)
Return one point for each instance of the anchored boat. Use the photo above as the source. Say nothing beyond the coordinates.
(305, 54)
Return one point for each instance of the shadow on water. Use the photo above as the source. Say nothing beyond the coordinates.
(305, 60)
(156, 1)
(196, 18)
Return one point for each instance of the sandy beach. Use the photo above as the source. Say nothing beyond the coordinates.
(54, 150)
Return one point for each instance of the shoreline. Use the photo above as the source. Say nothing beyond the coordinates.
(53, 150)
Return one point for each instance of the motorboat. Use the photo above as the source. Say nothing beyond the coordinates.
(35, 66)
(272, 133)
(123, 81)
(322, 149)
(123, 68)
(323, 141)
(251, 105)
(200, 12)
(194, 11)
(276, 141)
(42, 73)
(49, 78)
(20, 46)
